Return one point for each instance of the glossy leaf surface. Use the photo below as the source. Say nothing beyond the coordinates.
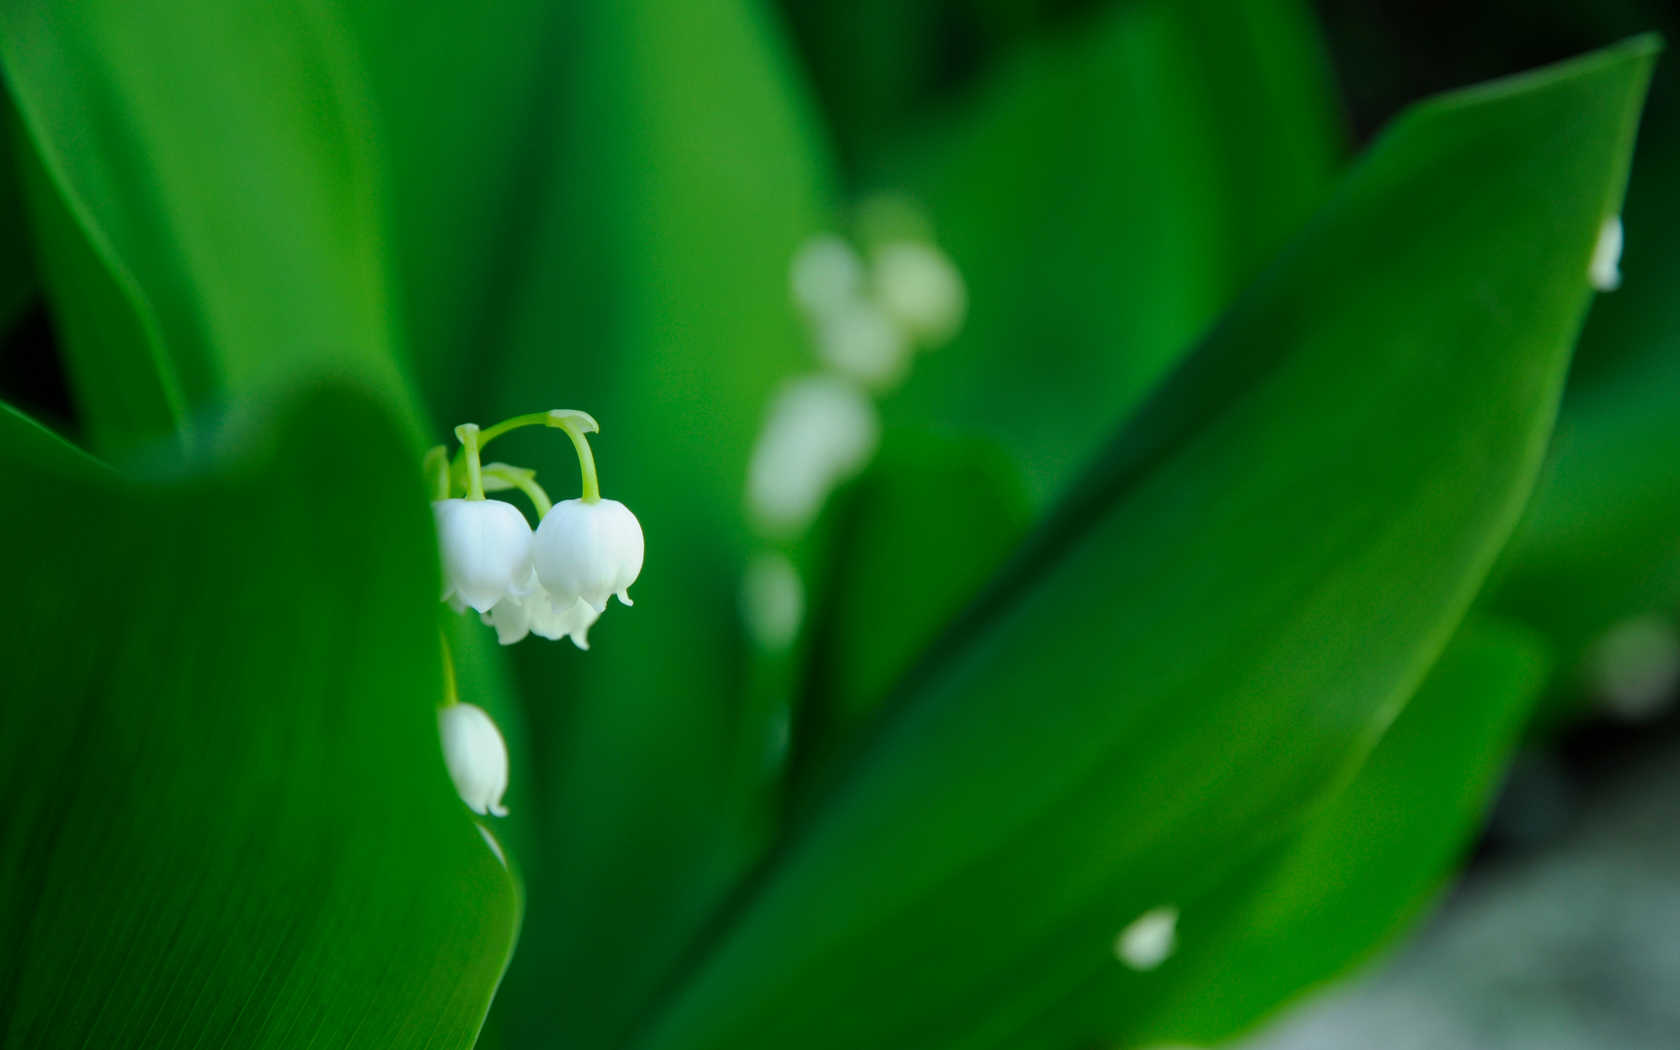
(228, 817)
(1242, 594)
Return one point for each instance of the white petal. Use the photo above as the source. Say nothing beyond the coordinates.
(511, 619)
(476, 757)
(919, 286)
(589, 551)
(821, 430)
(1605, 269)
(486, 549)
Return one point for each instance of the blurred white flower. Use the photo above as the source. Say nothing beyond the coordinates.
(821, 430)
(485, 545)
(919, 286)
(772, 601)
(1635, 667)
(513, 619)
(1605, 269)
(1150, 939)
(588, 550)
(476, 756)
(861, 342)
(826, 276)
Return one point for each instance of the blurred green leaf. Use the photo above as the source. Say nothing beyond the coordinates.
(1219, 623)
(1601, 542)
(17, 264)
(221, 161)
(1352, 880)
(228, 819)
(918, 537)
(681, 172)
(1105, 196)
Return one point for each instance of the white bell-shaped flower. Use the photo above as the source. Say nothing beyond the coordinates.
(919, 286)
(514, 619)
(476, 756)
(486, 550)
(589, 551)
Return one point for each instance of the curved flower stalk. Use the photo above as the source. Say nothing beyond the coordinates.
(554, 582)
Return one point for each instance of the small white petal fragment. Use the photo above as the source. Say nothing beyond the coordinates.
(919, 286)
(1149, 940)
(821, 431)
(476, 756)
(1635, 668)
(861, 342)
(485, 545)
(1605, 270)
(514, 619)
(772, 601)
(826, 276)
(589, 551)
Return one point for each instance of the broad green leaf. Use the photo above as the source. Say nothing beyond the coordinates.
(1244, 592)
(917, 538)
(465, 96)
(1356, 876)
(680, 174)
(220, 160)
(228, 819)
(1601, 542)
(1105, 196)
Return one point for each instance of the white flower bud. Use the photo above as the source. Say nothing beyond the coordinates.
(821, 430)
(859, 340)
(589, 551)
(476, 756)
(513, 619)
(921, 289)
(486, 550)
(826, 276)
(1605, 269)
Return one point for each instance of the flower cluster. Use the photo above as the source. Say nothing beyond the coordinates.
(553, 581)
(870, 303)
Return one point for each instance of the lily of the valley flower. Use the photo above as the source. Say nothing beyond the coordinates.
(486, 550)
(476, 757)
(588, 550)
(513, 619)
(1605, 269)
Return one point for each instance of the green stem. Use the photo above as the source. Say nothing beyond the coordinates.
(467, 434)
(576, 424)
(436, 468)
(450, 696)
(524, 480)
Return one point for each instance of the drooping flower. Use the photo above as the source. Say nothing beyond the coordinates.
(1149, 940)
(589, 550)
(772, 601)
(862, 342)
(476, 756)
(486, 550)
(826, 276)
(536, 614)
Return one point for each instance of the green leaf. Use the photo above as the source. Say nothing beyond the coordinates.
(682, 172)
(1245, 591)
(17, 263)
(918, 538)
(1358, 875)
(221, 162)
(1601, 542)
(228, 818)
(1105, 196)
